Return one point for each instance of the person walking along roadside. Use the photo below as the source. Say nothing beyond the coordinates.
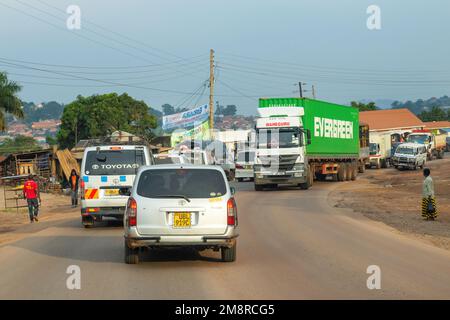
(429, 210)
(74, 187)
(31, 193)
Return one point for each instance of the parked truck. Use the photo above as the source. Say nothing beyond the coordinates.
(300, 139)
(380, 150)
(434, 140)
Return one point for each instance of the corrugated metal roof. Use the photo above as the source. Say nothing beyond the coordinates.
(390, 119)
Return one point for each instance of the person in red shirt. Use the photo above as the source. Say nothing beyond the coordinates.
(31, 193)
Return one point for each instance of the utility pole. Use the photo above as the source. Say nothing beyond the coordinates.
(314, 92)
(300, 88)
(211, 90)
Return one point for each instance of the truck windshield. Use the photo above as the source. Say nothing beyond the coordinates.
(402, 150)
(112, 162)
(279, 138)
(373, 148)
(418, 138)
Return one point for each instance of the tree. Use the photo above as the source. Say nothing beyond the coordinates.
(167, 109)
(9, 102)
(230, 110)
(98, 116)
(364, 106)
(52, 141)
(19, 144)
(435, 114)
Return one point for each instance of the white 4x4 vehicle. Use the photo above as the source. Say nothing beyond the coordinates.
(105, 170)
(181, 206)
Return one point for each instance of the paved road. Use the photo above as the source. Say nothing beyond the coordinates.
(293, 245)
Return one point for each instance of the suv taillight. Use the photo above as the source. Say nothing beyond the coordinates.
(131, 212)
(82, 188)
(232, 212)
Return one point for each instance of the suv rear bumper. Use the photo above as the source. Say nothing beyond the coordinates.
(110, 212)
(134, 240)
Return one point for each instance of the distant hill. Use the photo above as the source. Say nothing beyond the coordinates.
(42, 111)
(423, 105)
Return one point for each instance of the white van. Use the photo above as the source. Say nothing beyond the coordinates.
(410, 155)
(105, 171)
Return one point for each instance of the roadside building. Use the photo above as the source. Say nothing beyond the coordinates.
(398, 122)
(441, 125)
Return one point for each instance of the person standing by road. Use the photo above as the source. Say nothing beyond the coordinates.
(31, 193)
(74, 187)
(429, 210)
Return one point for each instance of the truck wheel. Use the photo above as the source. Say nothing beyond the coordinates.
(383, 163)
(440, 154)
(354, 171)
(229, 254)
(362, 168)
(341, 173)
(131, 255)
(348, 174)
(259, 187)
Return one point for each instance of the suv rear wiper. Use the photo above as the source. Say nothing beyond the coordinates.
(173, 196)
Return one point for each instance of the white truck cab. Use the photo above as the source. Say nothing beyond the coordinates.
(280, 148)
(105, 171)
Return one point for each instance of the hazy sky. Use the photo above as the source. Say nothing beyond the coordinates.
(263, 47)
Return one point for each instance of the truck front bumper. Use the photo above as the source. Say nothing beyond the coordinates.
(294, 178)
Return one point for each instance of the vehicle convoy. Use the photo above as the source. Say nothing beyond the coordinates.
(181, 206)
(104, 171)
(380, 150)
(410, 156)
(300, 139)
(244, 165)
(434, 140)
(209, 152)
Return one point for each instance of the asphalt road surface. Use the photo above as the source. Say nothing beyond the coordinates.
(293, 245)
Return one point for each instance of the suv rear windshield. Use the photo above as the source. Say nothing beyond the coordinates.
(113, 162)
(190, 183)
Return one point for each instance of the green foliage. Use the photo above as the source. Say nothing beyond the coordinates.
(364, 106)
(99, 115)
(229, 110)
(9, 102)
(435, 114)
(19, 144)
(52, 141)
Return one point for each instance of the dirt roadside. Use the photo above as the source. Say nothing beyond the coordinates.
(16, 224)
(394, 198)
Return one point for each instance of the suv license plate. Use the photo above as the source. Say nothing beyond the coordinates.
(181, 220)
(111, 192)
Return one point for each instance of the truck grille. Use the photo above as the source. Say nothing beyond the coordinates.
(284, 162)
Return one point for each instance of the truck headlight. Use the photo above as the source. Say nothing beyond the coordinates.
(299, 167)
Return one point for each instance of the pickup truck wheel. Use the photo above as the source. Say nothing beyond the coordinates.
(131, 255)
(228, 254)
(259, 187)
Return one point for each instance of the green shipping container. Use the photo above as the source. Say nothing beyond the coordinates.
(334, 128)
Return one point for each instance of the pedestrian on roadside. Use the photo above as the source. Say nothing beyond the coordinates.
(429, 210)
(31, 193)
(74, 187)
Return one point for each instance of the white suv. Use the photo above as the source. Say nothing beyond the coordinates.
(181, 206)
